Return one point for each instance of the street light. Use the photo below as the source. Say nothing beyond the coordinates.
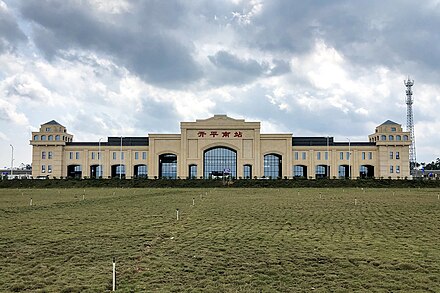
(328, 158)
(120, 162)
(99, 157)
(349, 159)
(12, 160)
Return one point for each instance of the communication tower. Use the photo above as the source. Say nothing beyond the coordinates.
(410, 124)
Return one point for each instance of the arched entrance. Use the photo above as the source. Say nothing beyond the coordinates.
(366, 171)
(168, 166)
(140, 171)
(74, 171)
(118, 171)
(272, 166)
(219, 162)
(300, 171)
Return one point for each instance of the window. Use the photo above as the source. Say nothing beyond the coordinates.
(43, 155)
(114, 155)
(391, 155)
(370, 155)
(219, 161)
(397, 156)
(136, 155)
(43, 137)
(405, 137)
(35, 137)
(47, 129)
(49, 155)
(299, 171)
(347, 155)
(247, 171)
(296, 156)
(49, 168)
(320, 171)
(141, 171)
(57, 137)
(122, 155)
(363, 155)
(326, 156)
(272, 166)
(398, 137)
(92, 154)
(383, 137)
(397, 169)
(43, 168)
(391, 137)
(391, 169)
(71, 155)
(77, 155)
(192, 171)
(144, 155)
(393, 129)
(168, 166)
(341, 155)
(99, 155)
(304, 155)
(318, 155)
(50, 137)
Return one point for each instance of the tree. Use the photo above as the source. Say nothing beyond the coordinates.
(433, 165)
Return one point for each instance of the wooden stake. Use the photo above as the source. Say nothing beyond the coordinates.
(114, 274)
(177, 214)
(30, 202)
(193, 201)
(355, 201)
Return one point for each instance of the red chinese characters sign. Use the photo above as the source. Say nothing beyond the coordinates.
(220, 134)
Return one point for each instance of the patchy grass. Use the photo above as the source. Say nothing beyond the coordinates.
(231, 240)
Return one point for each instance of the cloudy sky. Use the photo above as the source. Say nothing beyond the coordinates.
(312, 68)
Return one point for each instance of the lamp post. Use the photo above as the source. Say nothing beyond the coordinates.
(99, 157)
(120, 162)
(328, 158)
(349, 158)
(12, 160)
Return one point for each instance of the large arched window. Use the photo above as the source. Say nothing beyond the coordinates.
(219, 161)
(140, 171)
(168, 166)
(272, 166)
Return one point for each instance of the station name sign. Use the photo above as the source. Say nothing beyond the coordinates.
(220, 134)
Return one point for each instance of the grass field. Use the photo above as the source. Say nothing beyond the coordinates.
(231, 240)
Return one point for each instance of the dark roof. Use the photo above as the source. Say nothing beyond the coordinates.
(116, 141)
(311, 141)
(322, 141)
(53, 122)
(389, 122)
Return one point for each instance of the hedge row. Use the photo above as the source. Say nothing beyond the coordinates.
(204, 183)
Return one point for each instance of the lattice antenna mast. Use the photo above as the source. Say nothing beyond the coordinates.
(410, 124)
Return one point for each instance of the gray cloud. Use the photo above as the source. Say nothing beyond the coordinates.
(10, 33)
(151, 51)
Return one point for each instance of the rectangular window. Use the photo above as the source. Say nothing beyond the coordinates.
(49, 168)
(347, 155)
(370, 155)
(341, 155)
(114, 155)
(144, 155)
(43, 155)
(43, 168)
(136, 156)
(93, 155)
(391, 155)
(77, 155)
(397, 169)
(318, 155)
(326, 156)
(397, 156)
(122, 155)
(296, 156)
(47, 129)
(393, 129)
(304, 155)
(391, 169)
(363, 155)
(71, 155)
(49, 155)
(99, 155)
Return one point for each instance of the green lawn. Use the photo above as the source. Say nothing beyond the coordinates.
(232, 240)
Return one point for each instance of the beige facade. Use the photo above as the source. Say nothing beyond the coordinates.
(220, 145)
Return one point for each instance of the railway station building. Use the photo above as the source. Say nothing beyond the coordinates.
(220, 146)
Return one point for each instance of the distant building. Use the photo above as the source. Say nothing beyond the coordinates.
(220, 146)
